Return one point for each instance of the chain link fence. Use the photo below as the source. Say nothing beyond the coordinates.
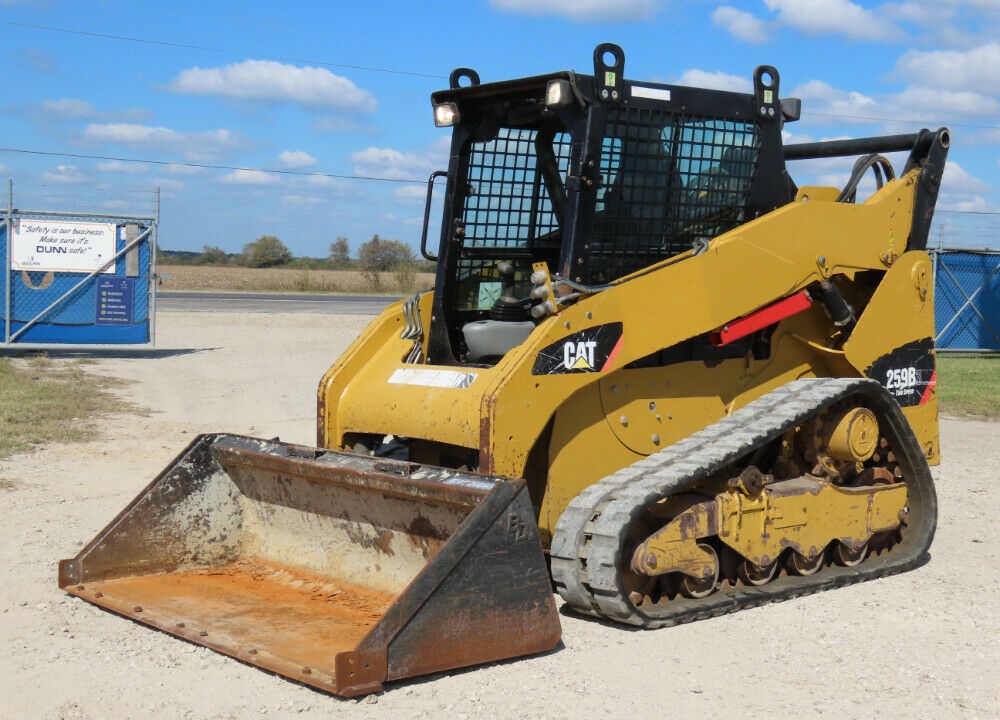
(77, 280)
(967, 299)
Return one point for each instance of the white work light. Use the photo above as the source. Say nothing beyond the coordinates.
(558, 93)
(446, 114)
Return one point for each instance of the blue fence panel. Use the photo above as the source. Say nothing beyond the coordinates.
(967, 299)
(110, 308)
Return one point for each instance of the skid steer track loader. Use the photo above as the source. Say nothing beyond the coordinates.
(653, 373)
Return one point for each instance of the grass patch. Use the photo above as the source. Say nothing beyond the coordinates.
(969, 385)
(44, 400)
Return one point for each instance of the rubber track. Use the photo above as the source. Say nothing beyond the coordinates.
(587, 545)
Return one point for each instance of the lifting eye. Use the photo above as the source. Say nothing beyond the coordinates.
(459, 74)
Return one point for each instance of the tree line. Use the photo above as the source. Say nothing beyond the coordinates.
(378, 255)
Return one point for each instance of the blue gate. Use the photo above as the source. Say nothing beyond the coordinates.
(967, 299)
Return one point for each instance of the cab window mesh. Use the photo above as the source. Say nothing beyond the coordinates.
(667, 181)
(507, 213)
(506, 205)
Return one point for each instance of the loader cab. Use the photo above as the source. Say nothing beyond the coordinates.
(596, 176)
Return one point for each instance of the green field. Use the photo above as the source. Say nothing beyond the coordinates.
(969, 385)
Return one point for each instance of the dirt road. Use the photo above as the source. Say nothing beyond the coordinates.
(922, 644)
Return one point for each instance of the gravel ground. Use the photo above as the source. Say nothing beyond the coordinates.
(922, 644)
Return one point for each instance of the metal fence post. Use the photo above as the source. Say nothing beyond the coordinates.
(9, 262)
(154, 278)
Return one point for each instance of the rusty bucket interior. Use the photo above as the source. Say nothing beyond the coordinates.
(337, 570)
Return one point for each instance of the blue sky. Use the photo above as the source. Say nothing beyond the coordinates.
(213, 95)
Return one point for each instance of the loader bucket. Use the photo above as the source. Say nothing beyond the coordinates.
(336, 570)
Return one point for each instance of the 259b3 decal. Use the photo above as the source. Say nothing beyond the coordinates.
(908, 372)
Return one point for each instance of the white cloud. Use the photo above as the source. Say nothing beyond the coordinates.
(957, 181)
(921, 13)
(125, 168)
(393, 164)
(304, 201)
(583, 10)
(272, 82)
(973, 70)
(931, 99)
(322, 181)
(320, 186)
(127, 115)
(715, 81)
(186, 170)
(64, 175)
(987, 7)
(930, 104)
(244, 176)
(340, 124)
(741, 25)
(196, 146)
(77, 109)
(69, 108)
(821, 101)
(36, 59)
(921, 23)
(820, 17)
(791, 138)
(388, 163)
(983, 136)
(963, 204)
(296, 159)
(385, 156)
(411, 193)
(169, 184)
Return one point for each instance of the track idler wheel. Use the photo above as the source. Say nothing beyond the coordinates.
(753, 574)
(845, 556)
(698, 588)
(801, 565)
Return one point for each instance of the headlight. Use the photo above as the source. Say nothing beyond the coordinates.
(446, 114)
(558, 93)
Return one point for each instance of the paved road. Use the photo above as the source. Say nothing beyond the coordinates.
(177, 301)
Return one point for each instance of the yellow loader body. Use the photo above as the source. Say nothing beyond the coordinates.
(653, 374)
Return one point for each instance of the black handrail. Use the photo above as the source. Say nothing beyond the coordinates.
(854, 146)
